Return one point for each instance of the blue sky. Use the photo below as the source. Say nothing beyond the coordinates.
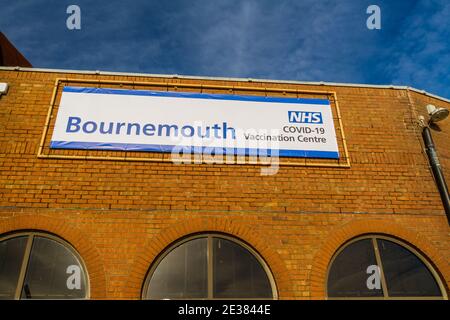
(302, 40)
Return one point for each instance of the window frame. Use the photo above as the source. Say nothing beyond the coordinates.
(415, 252)
(30, 235)
(210, 268)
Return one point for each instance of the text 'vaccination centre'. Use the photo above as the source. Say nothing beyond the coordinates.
(139, 186)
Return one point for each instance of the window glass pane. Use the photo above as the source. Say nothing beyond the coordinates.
(349, 274)
(182, 273)
(53, 272)
(237, 273)
(11, 257)
(406, 275)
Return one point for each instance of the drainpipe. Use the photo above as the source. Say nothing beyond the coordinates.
(437, 171)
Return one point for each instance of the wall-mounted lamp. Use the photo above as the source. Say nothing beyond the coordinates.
(435, 114)
(3, 88)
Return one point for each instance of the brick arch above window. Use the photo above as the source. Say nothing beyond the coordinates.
(156, 245)
(337, 238)
(63, 229)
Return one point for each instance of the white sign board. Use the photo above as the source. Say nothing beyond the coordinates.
(159, 121)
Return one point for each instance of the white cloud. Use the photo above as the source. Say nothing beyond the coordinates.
(298, 40)
(423, 50)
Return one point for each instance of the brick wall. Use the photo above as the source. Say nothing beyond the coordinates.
(120, 215)
(9, 55)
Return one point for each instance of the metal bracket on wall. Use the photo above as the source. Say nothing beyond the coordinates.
(344, 162)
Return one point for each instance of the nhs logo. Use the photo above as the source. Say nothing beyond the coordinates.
(305, 117)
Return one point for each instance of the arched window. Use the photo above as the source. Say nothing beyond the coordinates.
(40, 266)
(378, 267)
(209, 266)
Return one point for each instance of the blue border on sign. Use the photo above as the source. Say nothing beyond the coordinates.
(192, 95)
(191, 149)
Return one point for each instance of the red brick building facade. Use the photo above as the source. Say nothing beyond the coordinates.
(120, 214)
(9, 55)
